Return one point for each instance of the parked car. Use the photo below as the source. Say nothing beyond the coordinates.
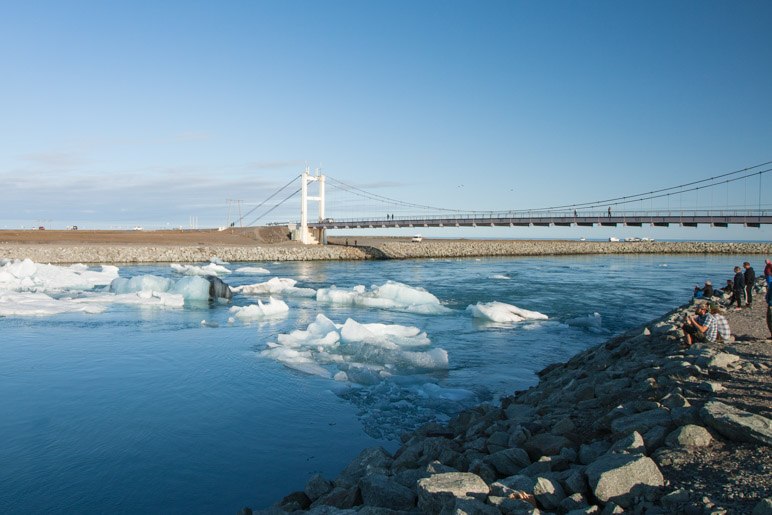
(417, 238)
(41, 228)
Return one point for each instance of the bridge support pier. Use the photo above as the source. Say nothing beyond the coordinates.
(303, 233)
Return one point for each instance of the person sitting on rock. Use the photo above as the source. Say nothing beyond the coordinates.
(704, 292)
(702, 328)
(724, 334)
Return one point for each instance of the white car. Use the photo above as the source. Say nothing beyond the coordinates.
(417, 238)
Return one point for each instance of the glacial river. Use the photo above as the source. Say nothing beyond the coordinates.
(141, 402)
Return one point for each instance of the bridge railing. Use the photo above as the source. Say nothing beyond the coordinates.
(569, 214)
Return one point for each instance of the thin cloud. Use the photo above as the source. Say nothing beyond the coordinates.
(55, 159)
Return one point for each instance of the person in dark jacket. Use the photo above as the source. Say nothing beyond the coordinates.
(769, 311)
(739, 287)
(750, 282)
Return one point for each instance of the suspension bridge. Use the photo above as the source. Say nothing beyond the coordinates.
(355, 208)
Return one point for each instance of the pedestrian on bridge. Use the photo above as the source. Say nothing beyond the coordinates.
(609, 211)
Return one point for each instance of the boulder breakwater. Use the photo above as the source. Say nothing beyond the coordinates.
(638, 424)
(365, 248)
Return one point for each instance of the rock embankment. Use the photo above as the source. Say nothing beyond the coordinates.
(638, 424)
(367, 248)
(401, 249)
(177, 254)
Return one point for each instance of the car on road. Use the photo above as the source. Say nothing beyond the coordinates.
(417, 238)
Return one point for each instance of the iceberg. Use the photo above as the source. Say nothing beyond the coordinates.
(26, 275)
(252, 270)
(503, 313)
(39, 304)
(390, 295)
(210, 269)
(354, 352)
(276, 286)
(190, 288)
(272, 308)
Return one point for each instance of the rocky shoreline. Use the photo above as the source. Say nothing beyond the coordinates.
(366, 248)
(638, 424)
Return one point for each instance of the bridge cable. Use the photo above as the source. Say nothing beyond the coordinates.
(241, 218)
(274, 207)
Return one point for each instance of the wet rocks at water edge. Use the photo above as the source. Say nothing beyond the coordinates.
(629, 426)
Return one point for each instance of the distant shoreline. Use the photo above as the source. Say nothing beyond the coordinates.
(366, 248)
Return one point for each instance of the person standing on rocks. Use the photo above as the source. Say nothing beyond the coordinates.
(768, 272)
(769, 310)
(701, 329)
(750, 282)
(739, 287)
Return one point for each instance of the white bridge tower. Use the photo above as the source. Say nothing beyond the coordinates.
(304, 234)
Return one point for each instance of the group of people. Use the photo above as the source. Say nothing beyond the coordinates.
(709, 324)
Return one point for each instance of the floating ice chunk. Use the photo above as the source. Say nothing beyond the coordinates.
(503, 313)
(272, 308)
(210, 269)
(252, 270)
(502, 277)
(276, 286)
(193, 288)
(140, 283)
(40, 304)
(592, 322)
(218, 261)
(298, 360)
(362, 353)
(390, 295)
(26, 275)
(320, 333)
(451, 394)
(141, 298)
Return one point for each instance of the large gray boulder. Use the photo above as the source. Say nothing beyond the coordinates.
(471, 506)
(509, 461)
(317, 486)
(546, 444)
(641, 422)
(380, 490)
(548, 493)
(441, 490)
(689, 435)
(616, 477)
(737, 424)
(372, 459)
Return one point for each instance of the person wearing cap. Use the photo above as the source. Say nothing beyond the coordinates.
(724, 334)
(702, 328)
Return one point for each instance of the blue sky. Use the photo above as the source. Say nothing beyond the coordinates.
(150, 113)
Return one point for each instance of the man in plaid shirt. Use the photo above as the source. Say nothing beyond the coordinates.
(701, 329)
(722, 324)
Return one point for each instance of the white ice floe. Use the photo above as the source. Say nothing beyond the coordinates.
(272, 308)
(390, 295)
(218, 261)
(502, 277)
(275, 286)
(26, 275)
(354, 352)
(210, 269)
(191, 288)
(140, 298)
(252, 270)
(503, 313)
(39, 304)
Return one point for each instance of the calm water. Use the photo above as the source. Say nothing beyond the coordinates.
(141, 409)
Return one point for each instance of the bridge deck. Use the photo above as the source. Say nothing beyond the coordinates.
(723, 220)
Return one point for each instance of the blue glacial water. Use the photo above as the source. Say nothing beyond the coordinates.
(146, 410)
